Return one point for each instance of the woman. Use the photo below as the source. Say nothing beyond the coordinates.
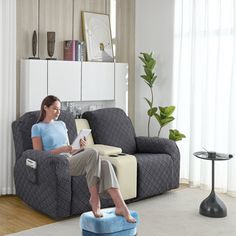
(49, 134)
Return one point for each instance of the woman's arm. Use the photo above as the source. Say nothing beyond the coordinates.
(37, 145)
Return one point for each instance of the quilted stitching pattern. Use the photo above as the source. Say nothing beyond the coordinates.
(47, 189)
(51, 193)
(111, 126)
(162, 145)
(22, 129)
(154, 174)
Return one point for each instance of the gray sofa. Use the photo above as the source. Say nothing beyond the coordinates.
(49, 187)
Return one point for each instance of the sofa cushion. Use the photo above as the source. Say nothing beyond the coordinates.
(83, 124)
(111, 126)
(126, 172)
(105, 149)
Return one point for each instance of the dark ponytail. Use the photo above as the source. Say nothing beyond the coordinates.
(47, 101)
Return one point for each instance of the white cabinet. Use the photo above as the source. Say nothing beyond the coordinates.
(33, 84)
(64, 80)
(98, 81)
(102, 82)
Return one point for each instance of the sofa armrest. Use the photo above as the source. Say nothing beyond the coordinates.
(49, 162)
(159, 146)
(156, 145)
(46, 188)
(106, 149)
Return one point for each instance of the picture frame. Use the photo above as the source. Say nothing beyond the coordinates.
(97, 36)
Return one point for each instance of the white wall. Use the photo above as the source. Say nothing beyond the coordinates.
(154, 32)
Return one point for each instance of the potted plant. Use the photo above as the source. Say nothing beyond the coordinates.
(163, 115)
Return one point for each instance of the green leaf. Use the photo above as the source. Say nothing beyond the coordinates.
(148, 72)
(166, 111)
(149, 102)
(151, 64)
(153, 80)
(148, 83)
(175, 135)
(152, 111)
(146, 56)
(166, 120)
(163, 121)
(158, 118)
(142, 59)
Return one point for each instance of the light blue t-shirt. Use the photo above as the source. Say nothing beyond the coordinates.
(53, 135)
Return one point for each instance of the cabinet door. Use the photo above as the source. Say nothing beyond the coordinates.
(64, 80)
(33, 84)
(97, 81)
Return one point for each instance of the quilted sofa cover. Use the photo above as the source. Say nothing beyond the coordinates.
(158, 158)
(50, 189)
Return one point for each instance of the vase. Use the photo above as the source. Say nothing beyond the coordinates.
(34, 45)
(51, 44)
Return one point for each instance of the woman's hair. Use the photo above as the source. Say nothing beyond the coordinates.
(47, 101)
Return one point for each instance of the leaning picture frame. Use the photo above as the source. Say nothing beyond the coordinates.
(97, 36)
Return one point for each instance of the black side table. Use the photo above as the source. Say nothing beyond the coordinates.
(213, 206)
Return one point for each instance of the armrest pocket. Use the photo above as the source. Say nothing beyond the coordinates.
(31, 170)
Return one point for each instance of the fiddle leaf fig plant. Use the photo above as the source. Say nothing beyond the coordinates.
(163, 115)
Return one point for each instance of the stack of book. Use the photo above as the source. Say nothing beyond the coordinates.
(73, 50)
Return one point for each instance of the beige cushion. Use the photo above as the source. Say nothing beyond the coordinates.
(83, 124)
(102, 149)
(105, 149)
(125, 166)
(126, 172)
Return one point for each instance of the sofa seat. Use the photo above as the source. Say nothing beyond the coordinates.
(126, 172)
(125, 166)
(154, 171)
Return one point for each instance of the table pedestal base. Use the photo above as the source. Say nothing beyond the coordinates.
(213, 206)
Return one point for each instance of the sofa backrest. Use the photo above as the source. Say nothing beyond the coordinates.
(21, 129)
(83, 124)
(111, 126)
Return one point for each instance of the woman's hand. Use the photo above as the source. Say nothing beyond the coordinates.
(83, 143)
(69, 148)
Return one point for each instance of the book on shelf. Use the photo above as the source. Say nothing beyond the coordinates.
(70, 50)
(73, 50)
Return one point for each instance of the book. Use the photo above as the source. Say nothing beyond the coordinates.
(80, 47)
(71, 50)
(84, 133)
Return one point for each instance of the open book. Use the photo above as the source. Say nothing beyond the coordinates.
(84, 133)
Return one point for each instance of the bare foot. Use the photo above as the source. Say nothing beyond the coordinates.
(95, 205)
(125, 212)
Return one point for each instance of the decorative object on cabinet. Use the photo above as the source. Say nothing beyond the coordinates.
(71, 50)
(97, 34)
(51, 37)
(81, 51)
(34, 45)
(74, 50)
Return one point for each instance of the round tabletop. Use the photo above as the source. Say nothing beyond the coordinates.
(216, 156)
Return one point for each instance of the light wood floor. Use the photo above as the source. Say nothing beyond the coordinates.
(16, 216)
